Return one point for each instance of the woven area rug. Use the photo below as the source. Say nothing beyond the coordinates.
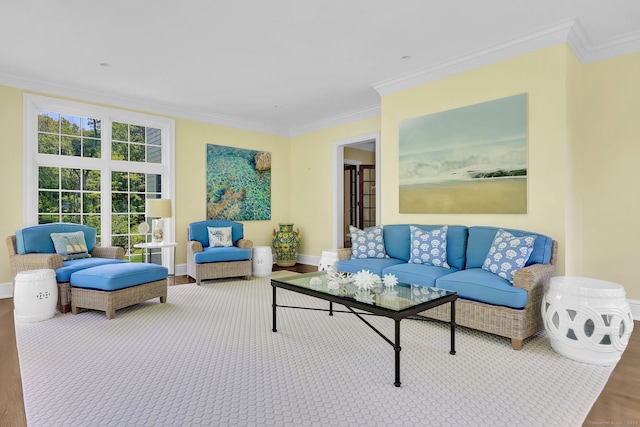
(208, 357)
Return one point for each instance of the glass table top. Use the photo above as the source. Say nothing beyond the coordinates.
(400, 297)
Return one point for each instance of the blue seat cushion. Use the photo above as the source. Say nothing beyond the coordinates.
(420, 274)
(112, 277)
(63, 274)
(374, 265)
(221, 254)
(483, 286)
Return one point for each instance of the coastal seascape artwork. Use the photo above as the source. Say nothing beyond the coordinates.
(238, 184)
(468, 160)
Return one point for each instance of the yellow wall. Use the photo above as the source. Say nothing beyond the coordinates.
(312, 182)
(606, 148)
(362, 156)
(10, 169)
(541, 75)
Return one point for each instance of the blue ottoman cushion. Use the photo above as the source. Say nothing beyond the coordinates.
(112, 277)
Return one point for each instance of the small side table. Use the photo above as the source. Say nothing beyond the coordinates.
(160, 245)
(587, 320)
(35, 295)
(328, 258)
(262, 263)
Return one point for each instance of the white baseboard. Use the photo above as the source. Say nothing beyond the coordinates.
(308, 259)
(6, 290)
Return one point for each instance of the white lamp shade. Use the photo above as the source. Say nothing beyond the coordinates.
(158, 208)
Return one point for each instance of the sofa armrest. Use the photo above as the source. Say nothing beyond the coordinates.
(193, 247)
(344, 254)
(112, 252)
(245, 244)
(35, 262)
(534, 276)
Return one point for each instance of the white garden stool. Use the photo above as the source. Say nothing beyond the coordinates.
(262, 261)
(328, 258)
(35, 295)
(587, 320)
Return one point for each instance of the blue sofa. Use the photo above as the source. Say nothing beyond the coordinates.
(486, 301)
(206, 262)
(32, 248)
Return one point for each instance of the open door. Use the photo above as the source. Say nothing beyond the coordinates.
(359, 198)
(367, 196)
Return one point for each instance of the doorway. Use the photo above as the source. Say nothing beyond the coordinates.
(359, 197)
(356, 185)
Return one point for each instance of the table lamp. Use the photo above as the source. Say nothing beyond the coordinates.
(158, 208)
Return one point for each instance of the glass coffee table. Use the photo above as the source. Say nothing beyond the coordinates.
(406, 300)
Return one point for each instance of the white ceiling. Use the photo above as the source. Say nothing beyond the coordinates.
(283, 66)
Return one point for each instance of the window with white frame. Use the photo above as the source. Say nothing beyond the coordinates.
(96, 166)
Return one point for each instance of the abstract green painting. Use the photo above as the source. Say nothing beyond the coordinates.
(238, 184)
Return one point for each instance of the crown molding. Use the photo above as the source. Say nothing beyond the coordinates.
(138, 104)
(337, 120)
(586, 51)
(547, 37)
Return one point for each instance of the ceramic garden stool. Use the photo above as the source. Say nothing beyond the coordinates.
(35, 295)
(587, 320)
(111, 287)
(328, 258)
(262, 261)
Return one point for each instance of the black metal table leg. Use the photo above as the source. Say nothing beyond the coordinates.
(453, 327)
(330, 308)
(274, 310)
(397, 349)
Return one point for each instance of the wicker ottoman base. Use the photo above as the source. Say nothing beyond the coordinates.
(110, 301)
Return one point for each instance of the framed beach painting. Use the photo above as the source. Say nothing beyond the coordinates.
(238, 183)
(468, 160)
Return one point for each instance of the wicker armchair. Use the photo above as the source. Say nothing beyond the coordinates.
(205, 263)
(33, 261)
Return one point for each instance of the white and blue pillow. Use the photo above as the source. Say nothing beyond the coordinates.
(70, 245)
(367, 244)
(220, 237)
(429, 247)
(508, 254)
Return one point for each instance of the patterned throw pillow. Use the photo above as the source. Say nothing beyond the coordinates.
(429, 247)
(70, 245)
(508, 254)
(367, 244)
(220, 237)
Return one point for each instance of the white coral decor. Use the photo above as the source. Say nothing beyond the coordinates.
(365, 280)
(390, 281)
(315, 281)
(338, 276)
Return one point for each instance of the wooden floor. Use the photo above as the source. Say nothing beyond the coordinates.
(619, 403)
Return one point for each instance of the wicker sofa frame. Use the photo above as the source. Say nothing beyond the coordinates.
(217, 270)
(515, 324)
(22, 262)
(110, 301)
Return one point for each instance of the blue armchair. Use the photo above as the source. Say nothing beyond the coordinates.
(207, 261)
(32, 248)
